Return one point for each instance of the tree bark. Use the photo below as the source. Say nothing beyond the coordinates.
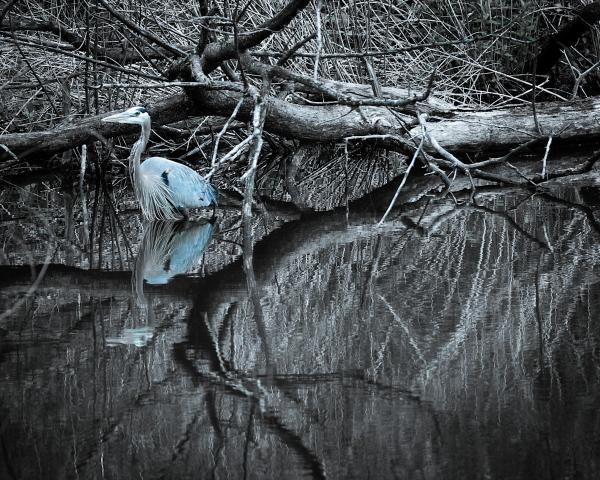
(501, 129)
(456, 131)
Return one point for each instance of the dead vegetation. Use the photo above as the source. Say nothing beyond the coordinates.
(341, 75)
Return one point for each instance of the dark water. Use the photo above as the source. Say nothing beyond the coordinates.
(452, 342)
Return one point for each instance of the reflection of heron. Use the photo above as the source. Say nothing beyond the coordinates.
(165, 189)
(140, 337)
(168, 249)
(171, 248)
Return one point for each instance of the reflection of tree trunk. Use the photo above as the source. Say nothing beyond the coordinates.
(310, 232)
(61, 277)
(253, 289)
(307, 235)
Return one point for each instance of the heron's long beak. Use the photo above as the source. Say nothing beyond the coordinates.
(116, 118)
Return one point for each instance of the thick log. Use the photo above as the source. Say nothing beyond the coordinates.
(501, 129)
(307, 123)
(458, 130)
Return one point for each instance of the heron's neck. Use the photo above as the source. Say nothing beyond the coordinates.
(139, 147)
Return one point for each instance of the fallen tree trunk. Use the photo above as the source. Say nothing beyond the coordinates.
(500, 129)
(456, 130)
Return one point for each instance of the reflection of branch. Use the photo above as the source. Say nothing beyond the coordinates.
(512, 223)
(588, 212)
(292, 440)
(233, 384)
(538, 313)
(183, 442)
(248, 439)
(399, 321)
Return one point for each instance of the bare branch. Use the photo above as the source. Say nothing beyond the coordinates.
(291, 52)
(215, 53)
(342, 98)
(404, 178)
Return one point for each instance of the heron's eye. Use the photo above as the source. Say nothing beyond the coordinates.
(137, 113)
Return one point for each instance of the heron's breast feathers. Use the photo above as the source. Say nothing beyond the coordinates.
(155, 197)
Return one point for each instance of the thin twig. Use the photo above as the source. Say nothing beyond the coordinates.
(290, 53)
(545, 159)
(231, 117)
(408, 169)
(82, 194)
(319, 40)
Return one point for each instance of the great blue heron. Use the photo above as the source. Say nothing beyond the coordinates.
(165, 189)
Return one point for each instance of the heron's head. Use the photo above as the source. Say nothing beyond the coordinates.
(135, 115)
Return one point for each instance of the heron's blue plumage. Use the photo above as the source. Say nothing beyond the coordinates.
(187, 189)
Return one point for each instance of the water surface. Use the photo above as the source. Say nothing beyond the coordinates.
(456, 341)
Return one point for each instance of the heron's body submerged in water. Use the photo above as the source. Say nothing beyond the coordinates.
(165, 189)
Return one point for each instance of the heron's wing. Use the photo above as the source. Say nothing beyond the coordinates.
(188, 188)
